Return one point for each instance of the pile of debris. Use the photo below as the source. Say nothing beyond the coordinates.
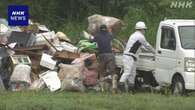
(34, 57)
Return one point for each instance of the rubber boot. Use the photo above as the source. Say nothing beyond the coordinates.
(131, 88)
(114, 83)
(121, 86)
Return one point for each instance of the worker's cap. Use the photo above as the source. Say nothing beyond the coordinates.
(103, 27)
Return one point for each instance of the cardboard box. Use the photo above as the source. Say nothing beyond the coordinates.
(47, 61)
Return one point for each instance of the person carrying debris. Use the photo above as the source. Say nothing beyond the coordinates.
(105, 56)
(136, 40)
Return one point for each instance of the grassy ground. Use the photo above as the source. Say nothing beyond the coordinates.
(92, 101)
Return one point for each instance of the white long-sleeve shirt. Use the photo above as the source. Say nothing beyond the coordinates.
(136, 40)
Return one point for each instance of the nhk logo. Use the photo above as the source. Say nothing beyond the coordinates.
(181, 4)
(18, 15)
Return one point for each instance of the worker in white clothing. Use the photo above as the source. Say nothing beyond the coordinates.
(136, 40)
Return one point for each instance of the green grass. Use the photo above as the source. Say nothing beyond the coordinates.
(92, 101)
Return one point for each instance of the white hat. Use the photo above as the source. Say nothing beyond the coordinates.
(140, 25)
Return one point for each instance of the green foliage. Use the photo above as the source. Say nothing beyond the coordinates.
(152, 12)
(73, 30)
(70, 16)
(45, 100)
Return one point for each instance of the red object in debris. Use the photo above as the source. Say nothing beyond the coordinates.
(17, 85)
(90, 77)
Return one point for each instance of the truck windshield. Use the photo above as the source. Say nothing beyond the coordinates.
(187, 35)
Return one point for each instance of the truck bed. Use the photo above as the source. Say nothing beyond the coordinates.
(146, 61)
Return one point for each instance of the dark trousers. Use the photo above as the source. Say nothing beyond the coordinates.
(107, 67)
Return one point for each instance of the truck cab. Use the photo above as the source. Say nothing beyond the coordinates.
(175, 54)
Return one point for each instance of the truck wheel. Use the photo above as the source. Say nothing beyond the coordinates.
(178, 87)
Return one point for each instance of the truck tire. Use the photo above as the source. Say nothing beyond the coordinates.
(178, 87)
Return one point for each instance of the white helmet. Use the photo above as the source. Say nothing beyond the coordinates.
(140, 25)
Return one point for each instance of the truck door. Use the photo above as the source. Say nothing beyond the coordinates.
(166, 55)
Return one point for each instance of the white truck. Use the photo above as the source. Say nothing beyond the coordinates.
(173, 64)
